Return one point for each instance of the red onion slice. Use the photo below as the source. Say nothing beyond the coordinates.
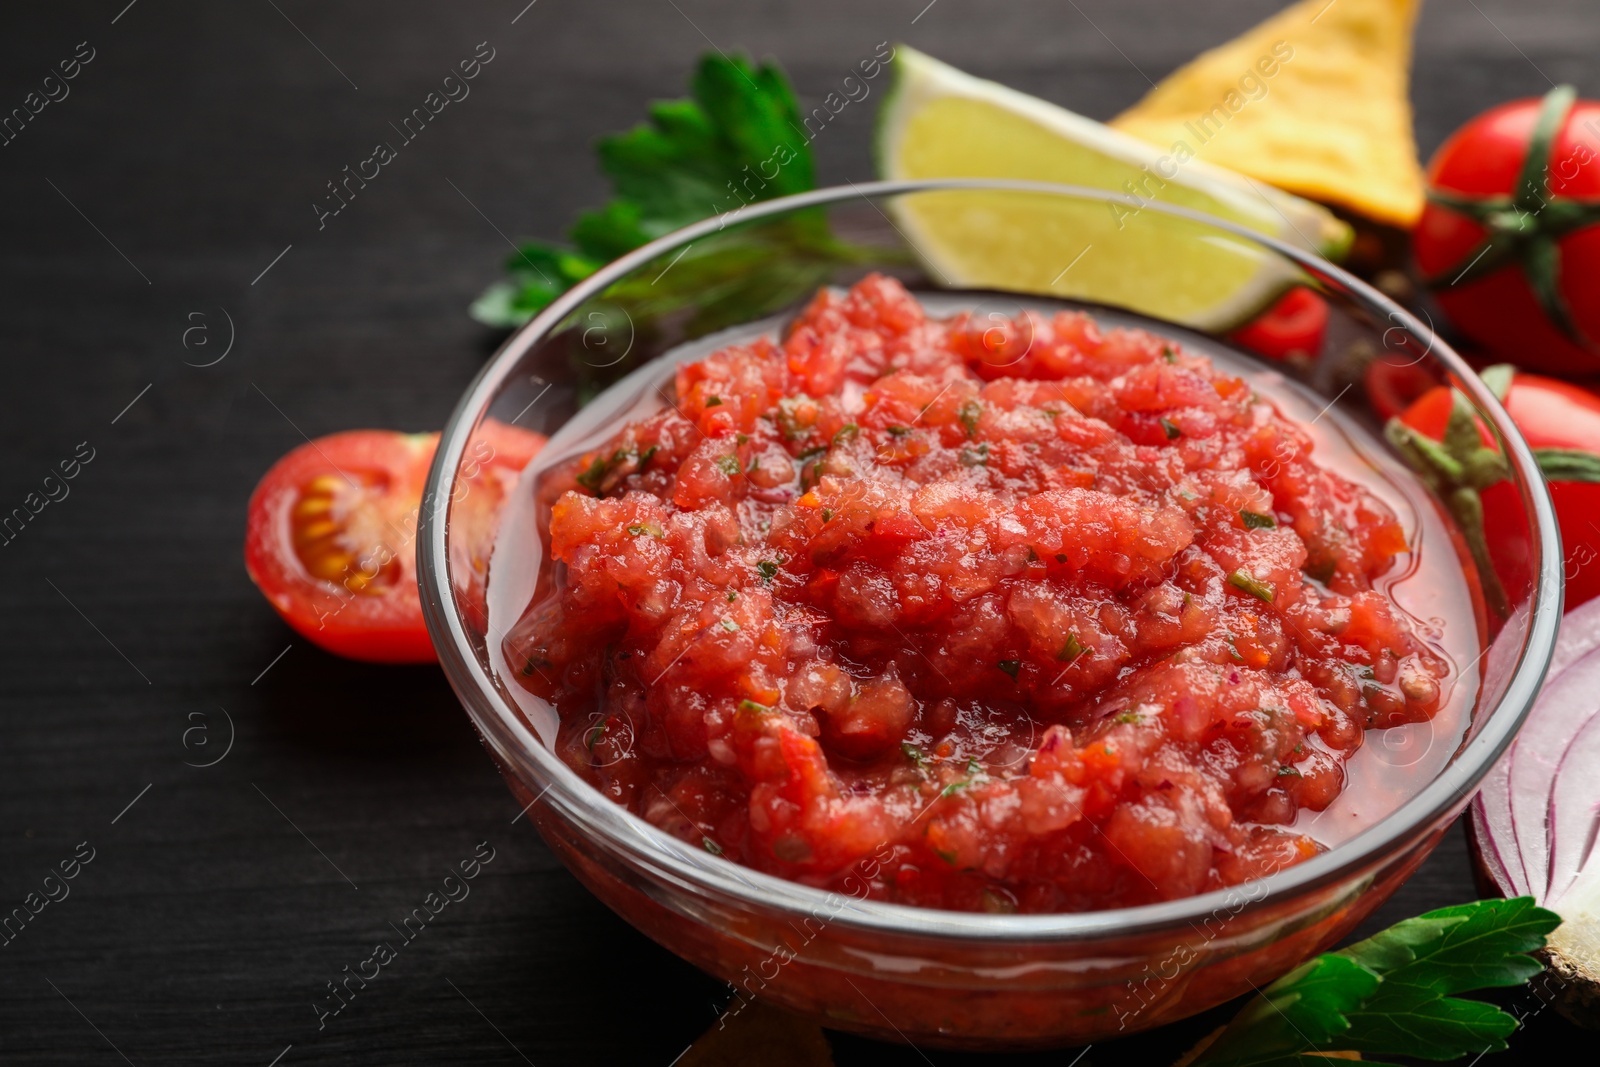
(1580, 634)
(1497, 839)
(1488, 842)
(1493, 823)
(1538, 813)
(1562, 709)
(1574, 805)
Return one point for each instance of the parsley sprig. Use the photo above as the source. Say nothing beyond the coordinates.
(737, 139)
(1394, 993)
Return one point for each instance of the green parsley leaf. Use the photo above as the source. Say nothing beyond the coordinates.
(768, 569)
(1393, 994)
(728, 465)
(898, 431)
(1255, 520)
(1010, 666)
(730, 626)
(710, 845)
(738, 138)
(539, 274)
(913, 753)
(713, 402)
(1170, 428)
(595, 476)
(753, 708)
(974, 455)
(1301, 1012)
(1423, 961)
(1071, 650)
(969, 414)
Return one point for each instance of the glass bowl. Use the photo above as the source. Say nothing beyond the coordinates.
(955, 979)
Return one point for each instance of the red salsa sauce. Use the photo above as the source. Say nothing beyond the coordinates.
(1012, 616)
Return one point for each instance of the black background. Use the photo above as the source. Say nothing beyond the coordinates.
(186, 158)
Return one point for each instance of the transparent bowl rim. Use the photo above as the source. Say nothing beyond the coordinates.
(667, 859)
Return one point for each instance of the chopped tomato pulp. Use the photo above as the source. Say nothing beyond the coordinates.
(1037, 618)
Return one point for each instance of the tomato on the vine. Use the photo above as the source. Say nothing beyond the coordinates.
(1561, 423)
(331, 536)
(1292, 327)
(1510, 239)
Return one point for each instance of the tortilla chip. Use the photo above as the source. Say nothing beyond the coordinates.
(1314, 100)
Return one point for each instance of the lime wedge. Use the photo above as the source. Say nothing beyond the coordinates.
(939, 122)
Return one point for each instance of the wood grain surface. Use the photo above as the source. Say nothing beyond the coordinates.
(163, 207)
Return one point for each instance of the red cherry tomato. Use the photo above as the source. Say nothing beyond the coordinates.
(331, 538)
(1554, 417)
(1509, 240)
(1294, 326)
(1394, 387)
(490, 467)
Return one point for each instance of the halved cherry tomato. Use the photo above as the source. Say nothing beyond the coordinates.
(1561, 423)
(1294, 326)
(331, 540)
(489, 470)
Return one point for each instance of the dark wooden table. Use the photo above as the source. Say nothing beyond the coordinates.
(160, 212)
